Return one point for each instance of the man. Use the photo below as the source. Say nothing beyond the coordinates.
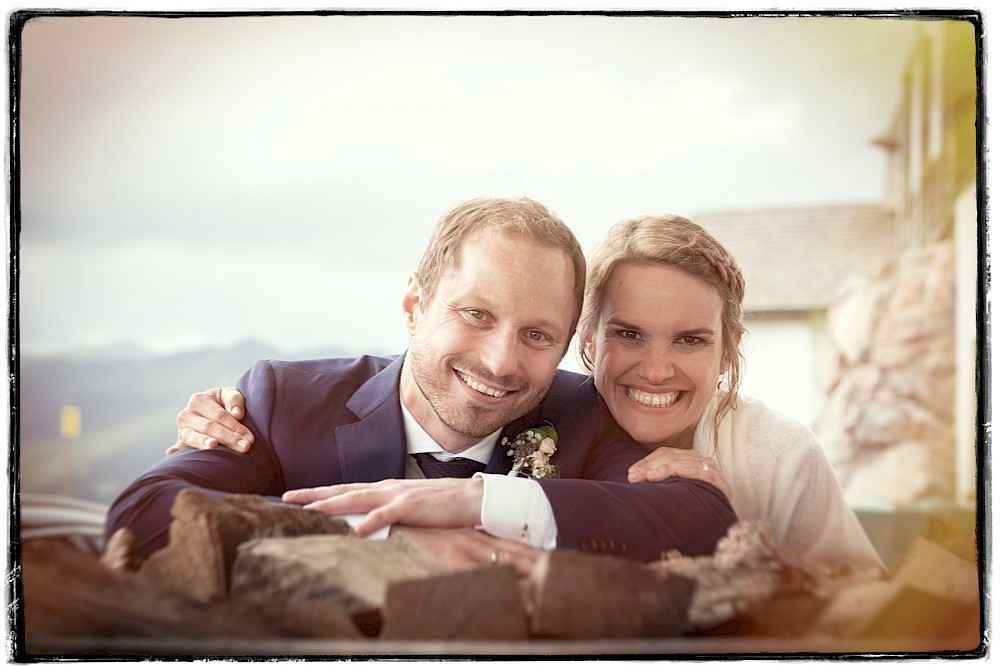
(490, 311)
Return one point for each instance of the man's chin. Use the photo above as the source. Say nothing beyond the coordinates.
(480, 427)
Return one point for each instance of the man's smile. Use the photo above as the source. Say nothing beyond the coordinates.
(480, 387)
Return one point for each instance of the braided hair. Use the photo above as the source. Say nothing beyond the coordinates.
(675, 241)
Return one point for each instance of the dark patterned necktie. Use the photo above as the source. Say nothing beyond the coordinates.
(433, 468)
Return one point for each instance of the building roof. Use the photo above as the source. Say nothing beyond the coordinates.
(796, 258)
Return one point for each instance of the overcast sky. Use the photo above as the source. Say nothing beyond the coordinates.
(199, 181)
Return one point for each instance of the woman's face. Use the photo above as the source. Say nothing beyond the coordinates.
(657, 352)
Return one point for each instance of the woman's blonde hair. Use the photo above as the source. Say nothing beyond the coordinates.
(521, 217)
(674, 241)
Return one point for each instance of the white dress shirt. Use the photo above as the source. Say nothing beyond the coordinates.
(514, 508)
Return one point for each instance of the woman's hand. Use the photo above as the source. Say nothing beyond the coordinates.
(210, 419)
(672, 462)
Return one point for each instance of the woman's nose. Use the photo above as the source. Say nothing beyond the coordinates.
(657, 368)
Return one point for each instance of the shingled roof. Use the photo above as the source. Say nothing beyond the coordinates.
(794, 259)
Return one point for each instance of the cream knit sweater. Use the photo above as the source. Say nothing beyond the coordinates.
(780, 474)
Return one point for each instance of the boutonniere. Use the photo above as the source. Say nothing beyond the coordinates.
(532, 450)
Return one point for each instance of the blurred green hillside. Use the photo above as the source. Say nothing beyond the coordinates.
(127, 402)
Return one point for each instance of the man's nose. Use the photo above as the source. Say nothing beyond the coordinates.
(502, 353)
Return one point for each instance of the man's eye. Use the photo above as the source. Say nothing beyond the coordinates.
(476, 314)
(537, 336)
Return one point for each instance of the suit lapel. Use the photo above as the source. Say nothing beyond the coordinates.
(374, 447)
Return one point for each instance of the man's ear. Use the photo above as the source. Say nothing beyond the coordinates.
(411, 302)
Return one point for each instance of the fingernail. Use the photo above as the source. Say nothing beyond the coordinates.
(237, 412)
(209, 443)
(242, 444)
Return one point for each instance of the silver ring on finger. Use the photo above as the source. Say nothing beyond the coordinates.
(704, 465)
(495, 556)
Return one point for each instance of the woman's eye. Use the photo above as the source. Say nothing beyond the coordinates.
(628, 334)
(690, 340)
(476, 314)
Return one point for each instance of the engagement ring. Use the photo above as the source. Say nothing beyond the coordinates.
(704, 466)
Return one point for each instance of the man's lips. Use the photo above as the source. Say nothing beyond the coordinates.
(487, 390)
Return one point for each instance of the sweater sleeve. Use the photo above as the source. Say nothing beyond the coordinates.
(821, 526)
(780, 474)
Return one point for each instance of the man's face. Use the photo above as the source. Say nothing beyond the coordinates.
(485, 347)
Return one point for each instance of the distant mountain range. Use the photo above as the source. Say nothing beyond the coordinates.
(127, 400)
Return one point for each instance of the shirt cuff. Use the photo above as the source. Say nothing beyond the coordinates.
(516, 508)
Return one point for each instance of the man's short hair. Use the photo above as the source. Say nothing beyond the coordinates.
(517, 217)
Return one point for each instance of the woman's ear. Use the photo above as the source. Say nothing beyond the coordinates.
(589, 346)
(411, 302)
(726, 363)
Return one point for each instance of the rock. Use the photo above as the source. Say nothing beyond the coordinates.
(586, 596)
(119, 552)
(890, 410)
(911, 469)
(69, 593)
(785, 613)
(916, 613)
(932, 594)
(932, 568)
(352, 572)
(207, 529)
(481, 604)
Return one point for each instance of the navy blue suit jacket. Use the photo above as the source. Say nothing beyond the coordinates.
(333, 421)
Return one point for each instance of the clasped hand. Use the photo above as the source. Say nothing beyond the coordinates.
(436, 516)
(435, 503)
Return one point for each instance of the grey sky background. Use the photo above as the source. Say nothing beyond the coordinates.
(191, 182)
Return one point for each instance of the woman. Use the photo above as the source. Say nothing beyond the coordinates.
(660, 331)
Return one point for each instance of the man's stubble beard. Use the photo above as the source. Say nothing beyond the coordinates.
(470, 420)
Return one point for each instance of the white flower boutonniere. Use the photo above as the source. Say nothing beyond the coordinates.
(532, 450)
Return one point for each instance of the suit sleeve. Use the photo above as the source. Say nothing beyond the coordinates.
(144, 506)
(603, 513)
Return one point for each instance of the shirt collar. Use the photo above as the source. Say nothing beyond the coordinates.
(419, 442)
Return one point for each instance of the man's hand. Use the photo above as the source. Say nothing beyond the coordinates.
(672, 462)
(458, 549)
(210, 419)
(435, 503)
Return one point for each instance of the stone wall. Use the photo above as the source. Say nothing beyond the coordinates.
(888, 421)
